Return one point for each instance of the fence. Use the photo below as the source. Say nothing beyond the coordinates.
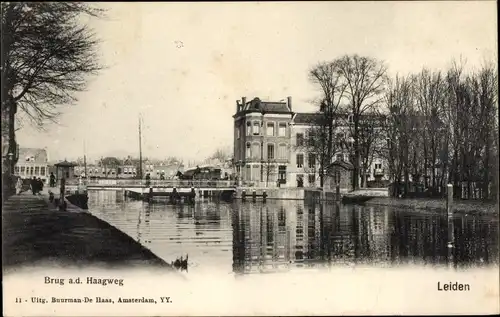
(159, 183)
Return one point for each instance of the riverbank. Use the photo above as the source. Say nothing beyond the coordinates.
(462, 206)
(35, 233)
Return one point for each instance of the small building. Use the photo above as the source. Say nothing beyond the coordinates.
(32, 162)
(65, 170)
(340, 173)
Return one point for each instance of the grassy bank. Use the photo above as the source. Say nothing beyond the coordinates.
(469, 206)
(35, 233)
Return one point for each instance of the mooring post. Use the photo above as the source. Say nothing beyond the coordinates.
(243, 195)
(150, 195)
(254, 196)
(337, 192)
(174, 191)
(193, 194)
(451, 227)
(449, 199)
(264, 196)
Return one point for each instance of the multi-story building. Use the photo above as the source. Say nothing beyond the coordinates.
(262, 141)
(269, 145)
(32, 162)
(304, 165)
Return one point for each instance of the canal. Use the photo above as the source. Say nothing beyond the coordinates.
(279, 236)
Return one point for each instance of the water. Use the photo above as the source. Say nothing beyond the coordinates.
(280, 236)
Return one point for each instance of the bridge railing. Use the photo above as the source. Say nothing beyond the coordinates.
(161, 183)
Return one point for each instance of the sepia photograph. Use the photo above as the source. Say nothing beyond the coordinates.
(250, 158)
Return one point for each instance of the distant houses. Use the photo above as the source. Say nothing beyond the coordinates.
(130, 168)
(32, 162)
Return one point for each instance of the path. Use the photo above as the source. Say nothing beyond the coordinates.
(35, 232)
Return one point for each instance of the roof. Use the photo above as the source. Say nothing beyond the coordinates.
(344, 164)
(33, 155)
(306, 118)
(65, 164)
(257, 105)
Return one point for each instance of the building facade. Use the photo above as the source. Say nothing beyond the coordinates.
(270, 149)
(32, 162)
(262, 141)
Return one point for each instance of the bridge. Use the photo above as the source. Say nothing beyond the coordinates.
(139, 185)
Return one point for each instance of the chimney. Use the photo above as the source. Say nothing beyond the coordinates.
(289, 102)
(243, 102)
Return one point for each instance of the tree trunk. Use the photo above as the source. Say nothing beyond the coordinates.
(12, 108)
(355, 183)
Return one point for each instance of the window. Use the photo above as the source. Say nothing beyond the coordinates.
(248, 173)
(16, 169)
(336, 175)
(256, 150)
(248, 151)
(22, 169)
(238, 133)
(256, 128)
(270, 151)
(42, 170)
(311, 178)
(339, 157)
(270, 129)
(37, 170)
(249, 128)
(282, 151)
(300, 139)
(311, 138)
(378, 166)
(282, 129)
(312, 160)
(300, 160)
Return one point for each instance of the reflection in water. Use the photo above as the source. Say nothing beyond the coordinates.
(282, 235)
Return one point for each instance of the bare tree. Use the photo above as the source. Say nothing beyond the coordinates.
(320, 135)
(47, 54)
(430, 95)
(221, 154)
(364, 79)
(269, 170)
(398, 130)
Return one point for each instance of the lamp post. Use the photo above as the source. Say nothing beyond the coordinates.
(10, 156)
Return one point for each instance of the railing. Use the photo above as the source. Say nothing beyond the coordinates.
(159, 183)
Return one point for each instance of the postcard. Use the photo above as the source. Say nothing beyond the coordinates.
(250, 158)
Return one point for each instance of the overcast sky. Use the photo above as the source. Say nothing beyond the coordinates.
(183, 65)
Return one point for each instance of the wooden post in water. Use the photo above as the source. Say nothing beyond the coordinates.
(451, 228)
(254, 196)
(193, 195)
(264, 196)
(449, 199)
(243, 195)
